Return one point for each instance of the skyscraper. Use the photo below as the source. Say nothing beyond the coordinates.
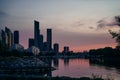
(36, 33)
(12, 38)
(41, 42)
(45, 46)
(16, 37)
(66, 49)
(49, 39)
(9, 35)
(4, 38)
(56, 47)
(31, 42)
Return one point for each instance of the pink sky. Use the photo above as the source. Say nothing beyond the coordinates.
(79, 24)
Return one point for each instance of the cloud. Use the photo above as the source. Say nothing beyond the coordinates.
(91, 27)
(80, 39)
(3, 14)
(107, 23)
(77, 24)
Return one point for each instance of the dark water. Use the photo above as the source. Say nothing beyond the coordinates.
(76, 68)
(83, 68)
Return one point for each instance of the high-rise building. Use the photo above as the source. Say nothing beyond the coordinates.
(12, 38)
(49, 39)
(16, 37)
(66, 49)
(4, 38)
(41, 42)
(36, 33)
(31, 42)
(56, 48)
(45, 46)
(9, 35)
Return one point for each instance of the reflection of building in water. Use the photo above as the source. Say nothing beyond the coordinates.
(56, 62)
(66, 61)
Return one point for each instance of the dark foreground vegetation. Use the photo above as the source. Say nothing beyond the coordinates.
(52, 78)
(105, 57)
(106, 52)
(109, 52)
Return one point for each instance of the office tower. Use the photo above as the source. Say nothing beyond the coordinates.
(9, 35)
(41, 42)
(36, 33)
(4, 38)
(49, 39)
(16, 37)
(12, 39)
(45, 46)
(66, 49)
(31, 42)
(56, 48)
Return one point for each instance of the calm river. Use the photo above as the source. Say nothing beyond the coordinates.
(83, 68)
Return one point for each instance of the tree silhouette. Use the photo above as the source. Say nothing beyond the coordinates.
(116, 35)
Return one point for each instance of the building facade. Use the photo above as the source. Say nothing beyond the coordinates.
(56, 48)
(31, 42)
(16, 37)
(66, 49)
(49, 40)
(10, 37)
(36, 33)
(41, 42)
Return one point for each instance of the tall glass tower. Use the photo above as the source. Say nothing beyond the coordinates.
(16, 37)
(49, 39)
(36, 33)
(9, 35)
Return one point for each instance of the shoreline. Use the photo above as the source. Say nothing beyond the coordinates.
(49, 78)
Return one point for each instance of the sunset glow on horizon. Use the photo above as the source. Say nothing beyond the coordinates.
(79, 24)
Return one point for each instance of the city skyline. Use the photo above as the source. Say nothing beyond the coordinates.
(79, 24)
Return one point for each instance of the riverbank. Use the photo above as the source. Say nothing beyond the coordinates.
(52, 78)
(27, 65)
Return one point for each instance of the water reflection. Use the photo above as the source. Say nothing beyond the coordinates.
(66, 61)
(85, 68)
(77, 68)
(108, 63)
(56, 62)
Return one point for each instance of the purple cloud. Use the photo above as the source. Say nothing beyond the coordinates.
(104, 23)
(77, 24)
